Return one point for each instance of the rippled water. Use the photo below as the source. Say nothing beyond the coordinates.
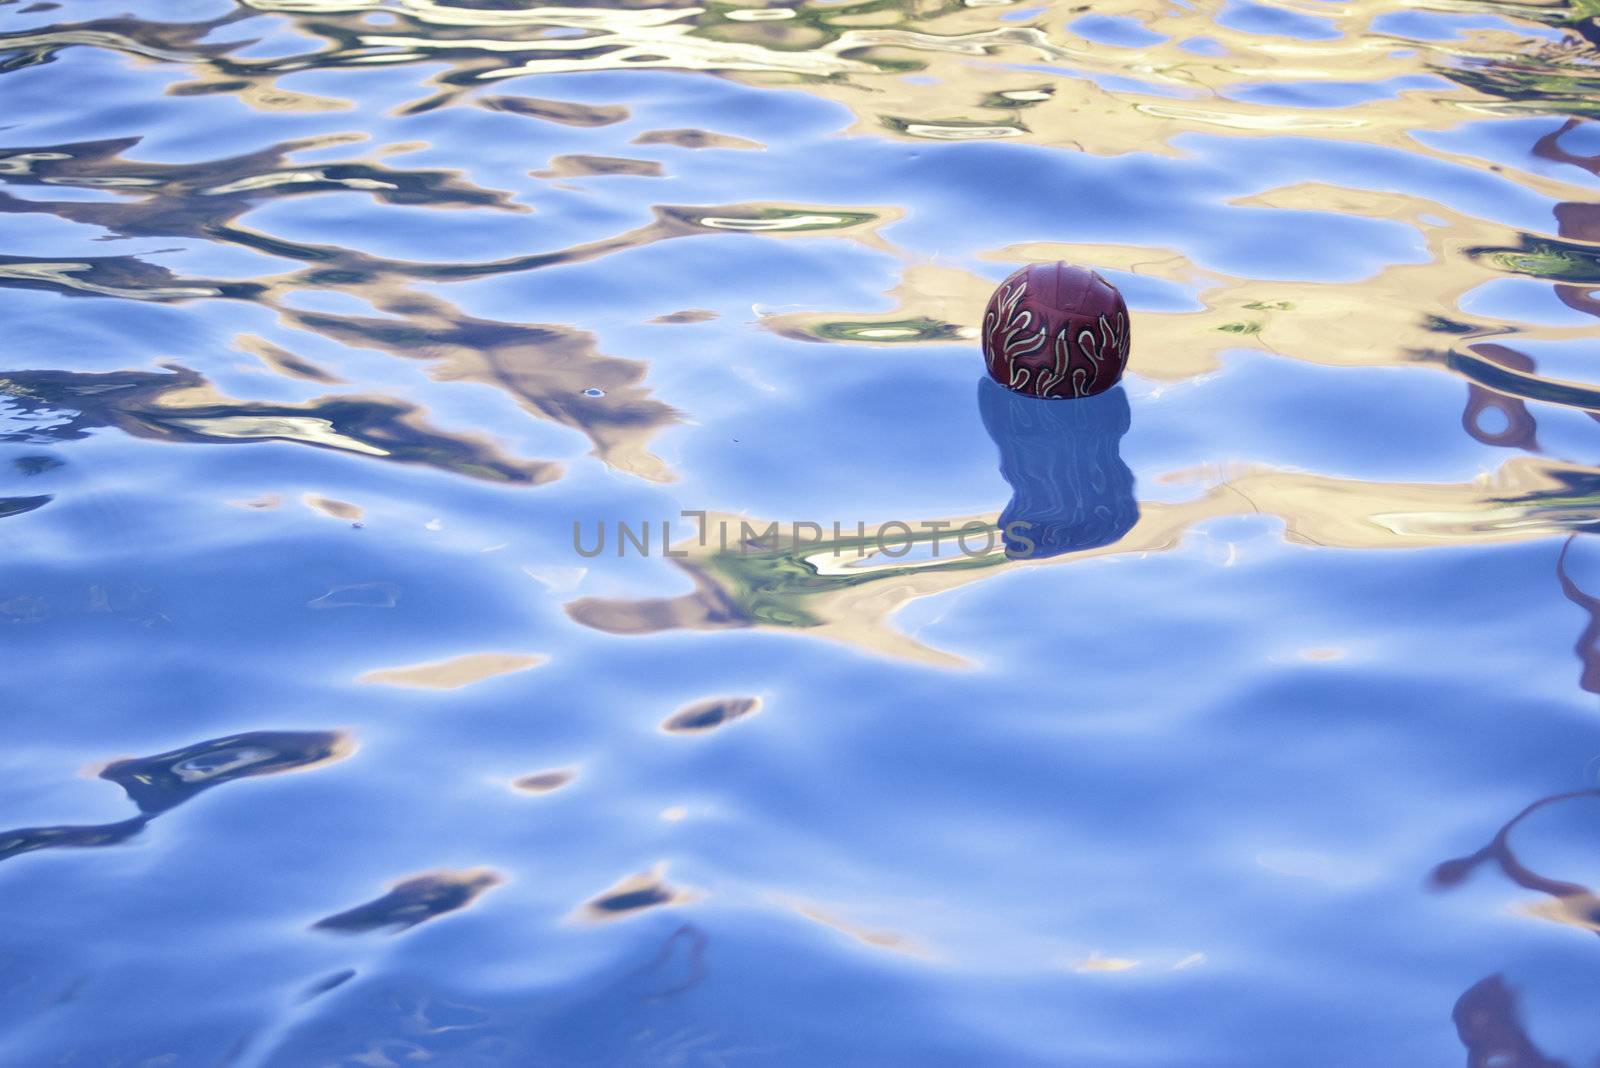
(1282, 750)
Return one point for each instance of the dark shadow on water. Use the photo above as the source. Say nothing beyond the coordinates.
(121, 277)
(1070, 490)
(676, 968)
(1488, 1024)
(413, 901)
(1521, 429)
(10, 506)
(1486, 1016)
(201, 198)
(644, 890)
(1506, 377)
(1588, 645)
(710, 714)
(1579, 221)
(1571, 902)
(160, 783)
(127, 34)
(65, 406)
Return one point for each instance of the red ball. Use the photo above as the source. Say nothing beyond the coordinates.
(1055, 330)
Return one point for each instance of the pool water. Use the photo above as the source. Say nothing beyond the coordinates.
(480, 488)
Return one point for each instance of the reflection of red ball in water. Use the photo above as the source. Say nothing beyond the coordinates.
(1055, 330)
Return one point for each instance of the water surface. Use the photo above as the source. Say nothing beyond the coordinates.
(326, 745)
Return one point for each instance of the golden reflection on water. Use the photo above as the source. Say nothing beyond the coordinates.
(922, 69)
(987, 67)
(1404, 315)
(546, 368)
(872, 937)
(913, 71)
(847, 589)
(454, 673)
(916, 71)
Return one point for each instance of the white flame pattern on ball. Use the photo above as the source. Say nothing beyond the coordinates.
(1015, 340)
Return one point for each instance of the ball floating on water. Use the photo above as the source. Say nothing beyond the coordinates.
(1055, 330)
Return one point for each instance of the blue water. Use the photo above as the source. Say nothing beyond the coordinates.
(328, 321)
